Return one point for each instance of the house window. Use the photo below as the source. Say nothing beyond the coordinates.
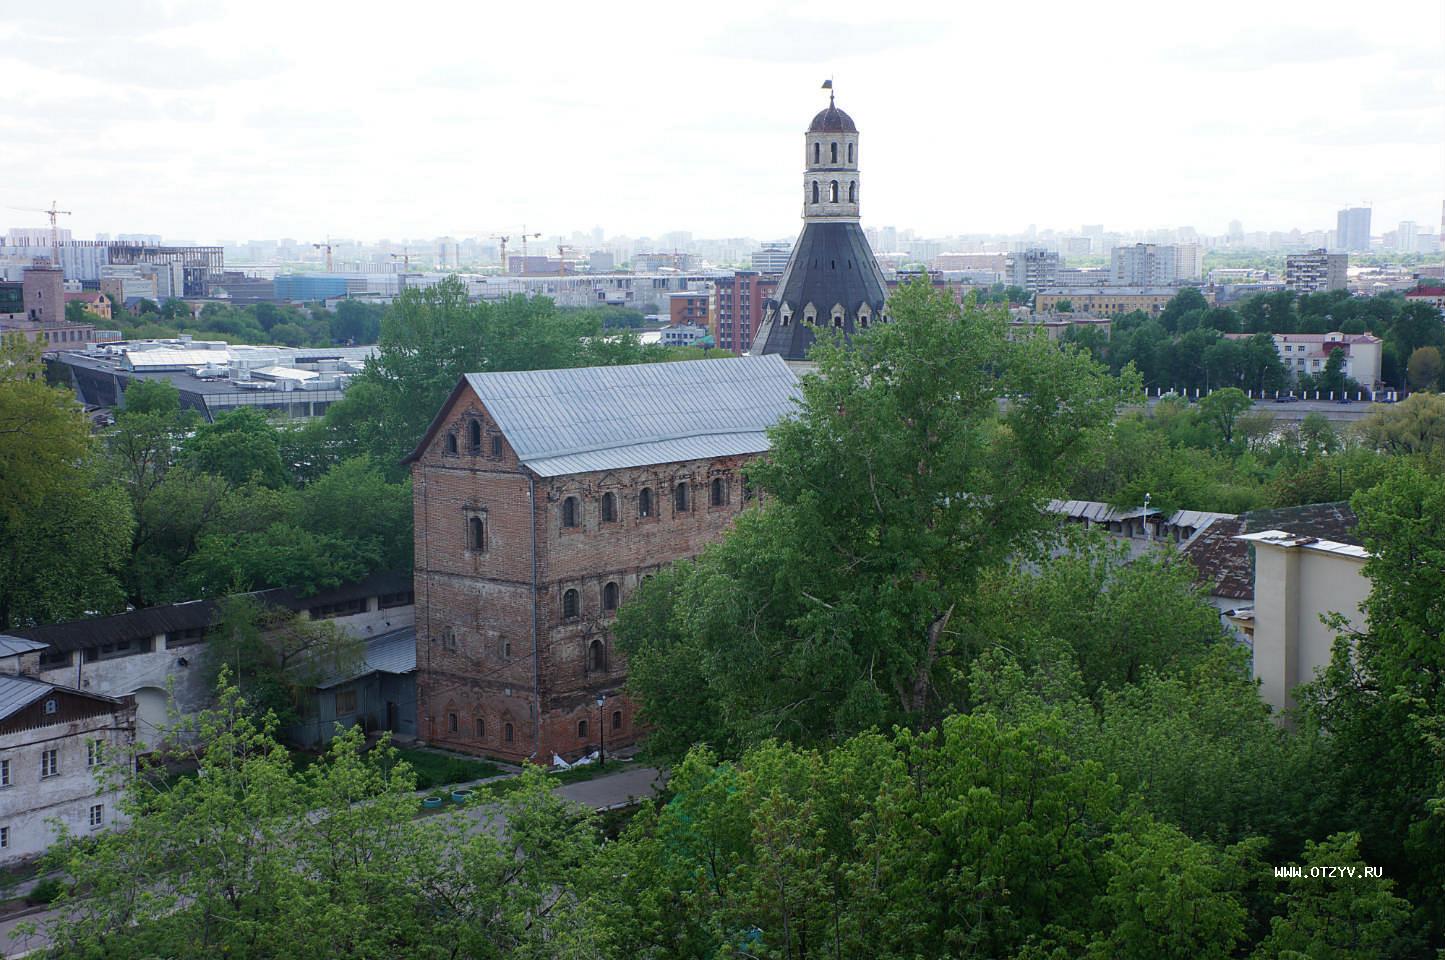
(581, 729)
(850, 153)
(815, 191)
(834, 158)
(452, 444)
(679, 497)
(507, 733)
(93, 752)
(644, 502)
(476, 535)
(51, 706)
(817, 153)
(402, 598)
(852, 191)
(49, 762)
(343, 608)
(4, 773)
(596, 657)
(185, 638)
(833, 192)
(481, 726)
(609, 507)
(616, 719)
(570, 512)
(4, 838)
(345, 702)
(570, 605)
(609, 597)
(474, 435)
(97, 815)
(50, 657)
(496, 447)
(719, 492)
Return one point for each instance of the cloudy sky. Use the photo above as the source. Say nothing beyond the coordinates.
(234, 120)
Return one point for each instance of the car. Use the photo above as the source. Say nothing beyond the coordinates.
(1344, 400)
(1385, 398)
(1287, 398)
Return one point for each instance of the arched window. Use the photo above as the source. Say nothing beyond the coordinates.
(496, 446)
(817, 153)
(451, 443)
(644, 502)
(815, 191)
(719, 491)
(609, 597)
(596, 657)
(474, 435)
(570, 605)
(581, 729)
(835, 153)
(616, 719)
(833, 192)
(850, 153)
(679, 497)
(838, 320)
(476, 534)
(852, 191)
(507, 732)
(609, 507)
(570, 512)
(481, 728)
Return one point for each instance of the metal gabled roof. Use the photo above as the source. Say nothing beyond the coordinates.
(601, 418)
(14, 646)
(393, 652)
(17, 693)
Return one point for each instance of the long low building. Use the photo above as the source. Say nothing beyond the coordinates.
(1110, 301)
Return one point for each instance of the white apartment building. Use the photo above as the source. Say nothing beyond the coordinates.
(1152, 264)
(1034, 269)
(1316, 271)
(1308, 353)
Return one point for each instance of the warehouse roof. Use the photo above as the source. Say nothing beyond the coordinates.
(602, 418)
(393, 652)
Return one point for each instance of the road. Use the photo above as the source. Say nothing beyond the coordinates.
(606, 792)
(1335, 412)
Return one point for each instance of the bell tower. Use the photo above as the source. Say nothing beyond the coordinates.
(832, 279)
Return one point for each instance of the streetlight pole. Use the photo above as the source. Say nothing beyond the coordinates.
(601, 734)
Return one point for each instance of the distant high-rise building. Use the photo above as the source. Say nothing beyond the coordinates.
(1407, 237)
(1236, 232)
(772, 259)
(1316, 271)
(1149, 264)
(1033, 268)
(1352, 229)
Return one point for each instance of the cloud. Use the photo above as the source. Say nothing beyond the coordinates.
(1263, 49)
(820, 40)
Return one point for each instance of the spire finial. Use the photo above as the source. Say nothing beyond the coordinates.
(828, 85)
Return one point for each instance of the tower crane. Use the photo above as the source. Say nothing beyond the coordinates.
(327, 247)
(507, 239)
(54, 229)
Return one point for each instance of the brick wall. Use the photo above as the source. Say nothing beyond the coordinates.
(475, 607)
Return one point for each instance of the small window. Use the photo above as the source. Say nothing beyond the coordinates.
(97, 815)
(815, 191)
(93, 752)
(679, 497)
(719, 492)
(609, 508)
(345, 702)
(507, 733)
(596, 656)
(51, 706)
(496, 447)
(570, 512)
(481, 727)
(507, 649)
(616, 719)
(51, 658)
(474, 435)
(49, 762)
(476, 534)
(833, 192)
(853, 191)
(4, 773)
(570, 605)
(451, 723)
(850, 153)
(817, 153)
(581, 729)
(452, 443)
(644, 502)
(4, 838)
(835, 152)
(609, 597)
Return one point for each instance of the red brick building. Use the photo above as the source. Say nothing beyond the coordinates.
(690, 307)
(542, 499)
(741, 299)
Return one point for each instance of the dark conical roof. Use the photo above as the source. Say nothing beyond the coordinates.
(832, 120)
(831, 264)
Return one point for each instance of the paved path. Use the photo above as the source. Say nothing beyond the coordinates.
(608, 791)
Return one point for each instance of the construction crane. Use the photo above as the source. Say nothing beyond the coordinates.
(54, 228)
(327, 247)
(507, 239)
(404, 257)
(561, 260)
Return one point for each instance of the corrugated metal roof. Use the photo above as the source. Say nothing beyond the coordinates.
(393, 652)
(601, 418)
(1196, 518)
(1096, 511)
(12, 646)
(17, 693)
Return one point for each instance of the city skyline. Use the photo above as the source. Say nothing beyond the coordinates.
(231, 123)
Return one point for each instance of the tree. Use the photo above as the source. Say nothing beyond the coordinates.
(829, 609)
(1221, 409)
(1064, 306)
(1424, 368)
(1185, 301)
(241, 445)
(1414, 426)
(43, 431)
(354, 500)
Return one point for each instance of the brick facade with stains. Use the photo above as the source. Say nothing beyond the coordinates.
(515, 599)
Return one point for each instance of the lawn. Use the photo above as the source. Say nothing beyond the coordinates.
(439, 769)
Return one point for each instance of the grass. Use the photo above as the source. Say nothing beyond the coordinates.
(438, 769)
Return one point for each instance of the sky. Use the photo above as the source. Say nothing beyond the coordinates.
(226, 120)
